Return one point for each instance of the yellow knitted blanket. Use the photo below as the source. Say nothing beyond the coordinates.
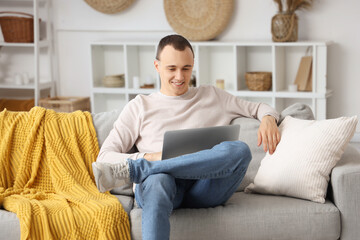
(46, 177)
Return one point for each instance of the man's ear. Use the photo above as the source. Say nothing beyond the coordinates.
(157, 65)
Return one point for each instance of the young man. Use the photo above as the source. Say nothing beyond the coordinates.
(204, 179)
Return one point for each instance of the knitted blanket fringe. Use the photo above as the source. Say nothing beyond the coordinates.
(46, 177)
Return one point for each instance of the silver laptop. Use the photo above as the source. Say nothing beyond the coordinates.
(180, 142)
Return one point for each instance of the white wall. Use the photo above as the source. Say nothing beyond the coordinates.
(77, 24)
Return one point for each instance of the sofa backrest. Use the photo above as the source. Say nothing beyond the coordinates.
(103, 123)
(248, 134)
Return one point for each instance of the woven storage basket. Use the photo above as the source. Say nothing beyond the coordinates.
(66, 104)
(198, 20)
(17, 29)
(258, 81)
(109, 6)
(114, 80)
(284, 27)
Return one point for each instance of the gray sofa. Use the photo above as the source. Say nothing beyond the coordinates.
(250, 216)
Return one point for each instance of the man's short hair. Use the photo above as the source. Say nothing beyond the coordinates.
(176, 41)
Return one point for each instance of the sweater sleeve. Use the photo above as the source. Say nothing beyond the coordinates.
(241, 108)
(123, 135)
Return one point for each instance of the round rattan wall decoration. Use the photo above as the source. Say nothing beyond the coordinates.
(109, 6)
(198, 20)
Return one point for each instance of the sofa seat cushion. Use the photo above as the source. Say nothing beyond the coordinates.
(252, 216)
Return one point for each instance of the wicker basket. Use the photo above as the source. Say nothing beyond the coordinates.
(258, 81)
(66, 104)
(114, 80)
(17, 29)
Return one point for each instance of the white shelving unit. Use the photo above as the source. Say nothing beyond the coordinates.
(213, 60)
(35, 58)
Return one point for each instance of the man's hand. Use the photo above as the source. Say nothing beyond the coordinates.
(268, 134)
(153, 156)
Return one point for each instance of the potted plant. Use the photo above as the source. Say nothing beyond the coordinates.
(284, 25)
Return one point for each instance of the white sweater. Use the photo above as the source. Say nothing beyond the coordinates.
(145, 119)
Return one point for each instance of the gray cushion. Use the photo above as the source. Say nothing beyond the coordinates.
(103, 123)
(297, 110)
(252, 216)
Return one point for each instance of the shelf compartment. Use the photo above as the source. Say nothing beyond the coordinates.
(216, 62)
(107, 60)
(12, 62)
(140, 63)
(288, 60)
(252, 59)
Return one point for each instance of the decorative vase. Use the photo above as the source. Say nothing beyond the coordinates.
(284, 27)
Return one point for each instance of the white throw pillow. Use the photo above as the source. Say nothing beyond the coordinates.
(307, 152)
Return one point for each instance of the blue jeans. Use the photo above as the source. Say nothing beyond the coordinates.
(199, 180)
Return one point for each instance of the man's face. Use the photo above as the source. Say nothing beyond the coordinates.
(175, 69)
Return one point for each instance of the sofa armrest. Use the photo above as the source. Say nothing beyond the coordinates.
(345, 183)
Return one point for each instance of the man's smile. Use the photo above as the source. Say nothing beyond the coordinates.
(178, 83)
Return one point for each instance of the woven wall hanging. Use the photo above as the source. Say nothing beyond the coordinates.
(109, 6)
(198, 20)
